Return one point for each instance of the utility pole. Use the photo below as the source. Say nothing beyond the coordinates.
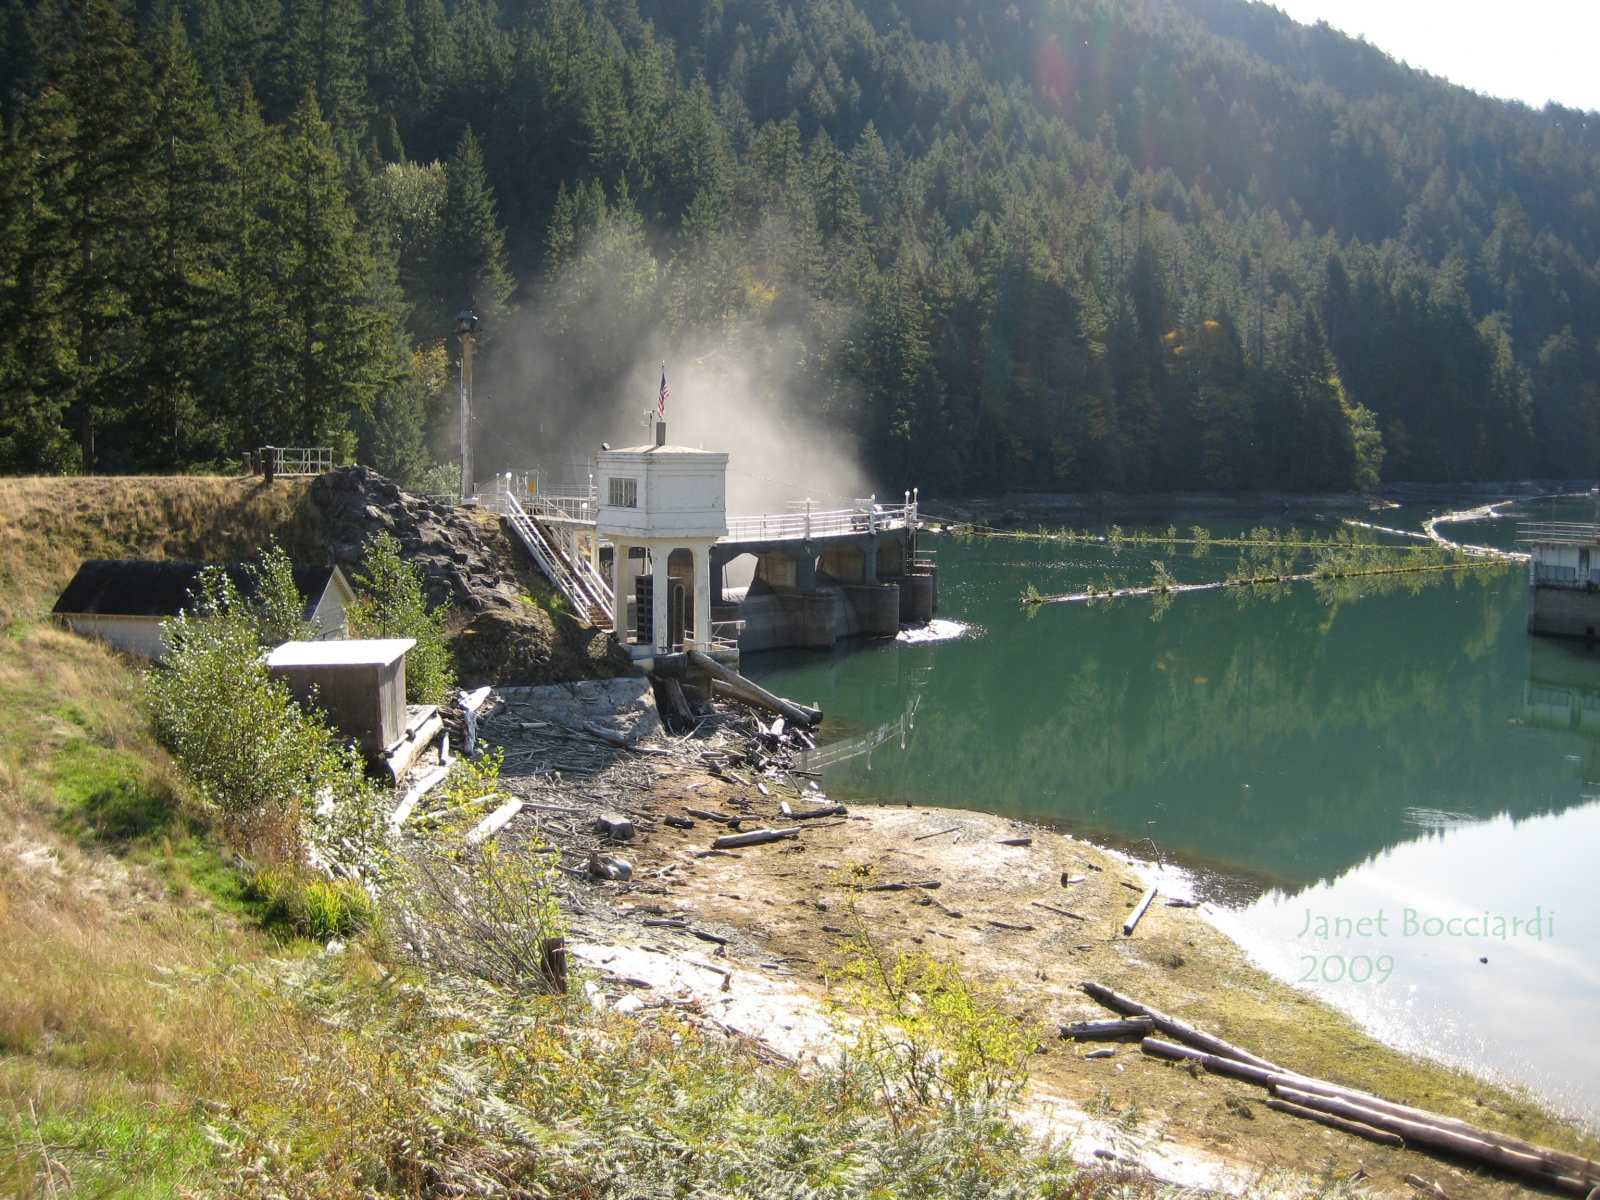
(466, 326)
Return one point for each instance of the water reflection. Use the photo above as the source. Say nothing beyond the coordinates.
(1342, 753)
(1291, 737)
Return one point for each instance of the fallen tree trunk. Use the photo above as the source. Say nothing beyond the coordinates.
(1097, 1031)
(1323, 1096)
(1137, 915)
(756, 837)
(1420, 1133)
(1359, 1129)
(1181, 1030)
(753, 693)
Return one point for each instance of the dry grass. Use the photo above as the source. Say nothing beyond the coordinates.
(48, 525)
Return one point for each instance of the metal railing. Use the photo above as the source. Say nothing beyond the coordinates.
(1564, 533)
(811, 524)
(298, 460)
(583, 587)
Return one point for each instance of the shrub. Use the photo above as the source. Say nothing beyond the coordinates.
(480, 910)
(279, 607)
(392, 606)
(924, 1038)
(287, 788)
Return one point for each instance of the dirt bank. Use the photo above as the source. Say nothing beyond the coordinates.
(751, 937)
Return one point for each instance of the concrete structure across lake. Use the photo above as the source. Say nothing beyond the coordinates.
(818, 576)
(1564, 577)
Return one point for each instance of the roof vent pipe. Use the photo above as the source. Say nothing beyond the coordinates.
(661, 433)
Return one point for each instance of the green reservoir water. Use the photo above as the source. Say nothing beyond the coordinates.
(1310, 757)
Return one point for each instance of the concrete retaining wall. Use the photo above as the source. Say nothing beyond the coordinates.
(1565, 612)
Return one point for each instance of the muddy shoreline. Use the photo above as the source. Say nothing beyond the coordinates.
(749, 941)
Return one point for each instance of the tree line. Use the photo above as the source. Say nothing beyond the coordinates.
(1082, 244)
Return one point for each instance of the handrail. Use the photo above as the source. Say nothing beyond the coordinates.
(573, 576)
(1567, 532)
(805, 526)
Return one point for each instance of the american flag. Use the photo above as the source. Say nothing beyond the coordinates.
(661, 400)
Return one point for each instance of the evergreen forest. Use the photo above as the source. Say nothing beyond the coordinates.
(1046, 244)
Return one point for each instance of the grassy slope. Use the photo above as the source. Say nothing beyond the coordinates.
(107, 882)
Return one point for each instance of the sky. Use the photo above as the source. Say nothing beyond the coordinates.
(1529, 50)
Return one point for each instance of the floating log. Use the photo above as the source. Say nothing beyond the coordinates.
(1173, 1027)
(1137, 915)
(1359, 1129)
(1103, 1031)
(754, 693)
(756, 837)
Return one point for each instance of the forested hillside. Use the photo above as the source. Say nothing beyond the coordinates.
(1058, 244)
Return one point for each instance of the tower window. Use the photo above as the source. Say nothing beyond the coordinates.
(622, 493)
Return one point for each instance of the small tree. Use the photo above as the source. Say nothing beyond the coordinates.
(280, 608)
(288, 789)
(392, 606)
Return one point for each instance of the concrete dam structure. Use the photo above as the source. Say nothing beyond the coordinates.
(644, 547)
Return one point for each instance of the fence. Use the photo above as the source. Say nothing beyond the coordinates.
(295, 460)
(807, 525)
(1566, 533)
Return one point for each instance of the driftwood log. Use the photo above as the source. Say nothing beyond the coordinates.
(1105, 1031)
(756, 837)
(1360, 1130)
(1173, 1027)
(1138, 912)
(1570, 1172)
(754, 693)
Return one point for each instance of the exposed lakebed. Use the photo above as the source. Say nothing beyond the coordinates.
(1378, 784)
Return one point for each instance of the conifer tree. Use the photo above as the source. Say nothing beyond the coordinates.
(35, 353)
(322, 54)
(181, 298)
(342, 357)
(93, 134)
(471, 268)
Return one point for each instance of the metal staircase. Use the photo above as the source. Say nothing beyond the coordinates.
(584, 588)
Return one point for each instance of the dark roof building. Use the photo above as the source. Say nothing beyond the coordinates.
(124, 602)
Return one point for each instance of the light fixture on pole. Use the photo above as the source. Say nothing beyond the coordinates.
(466, 328)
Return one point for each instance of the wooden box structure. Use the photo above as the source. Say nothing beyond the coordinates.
(360, 684)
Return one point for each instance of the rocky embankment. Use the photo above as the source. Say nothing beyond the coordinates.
(469, 564)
